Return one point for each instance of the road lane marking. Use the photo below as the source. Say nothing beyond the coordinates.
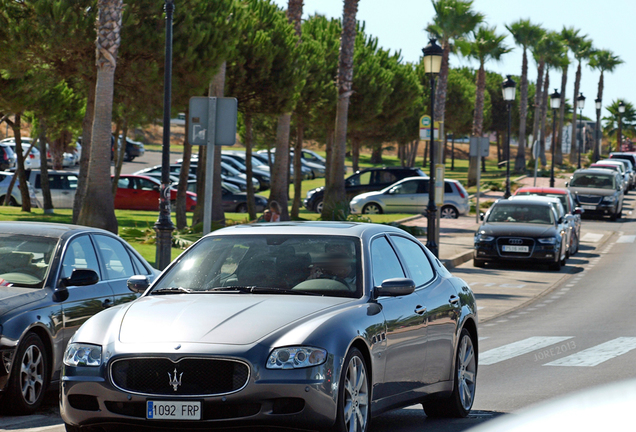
(592, 238)
(626, 239)
(597, 354)
(518, 348)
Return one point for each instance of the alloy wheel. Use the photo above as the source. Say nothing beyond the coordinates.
(356, 396)
(32, 374)
(466, 372)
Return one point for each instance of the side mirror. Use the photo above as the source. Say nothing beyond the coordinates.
(81, 277)
(567, 184)
(481, 216)
(578, 211)
(138, 284)
(395, 287)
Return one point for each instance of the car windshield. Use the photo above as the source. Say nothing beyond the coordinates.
(24, 259)
(524, 213)
(596, 181)
(279, 264)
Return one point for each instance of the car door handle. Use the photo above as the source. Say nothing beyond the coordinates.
(454, 300)
(107, 303)
(420, 310)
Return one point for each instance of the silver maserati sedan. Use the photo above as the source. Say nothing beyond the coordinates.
(316, 325)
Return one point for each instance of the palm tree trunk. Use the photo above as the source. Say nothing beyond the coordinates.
(98, 206)
(538, 98)
(543, 115)
(558, 153)
(478, 120)
(335, 206)
(20, 174)
(119, 155)
(598, 139)
(251, 204)
(280, 186)
(520, 160)
(300, 136)
(355, 153)
(47, 203)
(575, 143)
(87, 133)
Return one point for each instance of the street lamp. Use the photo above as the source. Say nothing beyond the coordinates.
(580, 104)
(597, 133)
(509, 87)
(164, 225)
(555, 103)
(432, 64)
(621, 110)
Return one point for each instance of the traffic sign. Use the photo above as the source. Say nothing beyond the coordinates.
(425, 128)
(210, 113)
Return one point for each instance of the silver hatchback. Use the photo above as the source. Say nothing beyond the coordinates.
(410, 195)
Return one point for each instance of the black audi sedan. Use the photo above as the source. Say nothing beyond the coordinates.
(522, 230)
(53, 277)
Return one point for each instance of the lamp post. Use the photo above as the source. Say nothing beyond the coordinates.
(509, 87)
(580, 104)
(555, 103)
(432, 64)
(164, 225)
(621, 110)
(597, 133)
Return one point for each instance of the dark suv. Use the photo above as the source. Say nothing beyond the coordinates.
(368, 180)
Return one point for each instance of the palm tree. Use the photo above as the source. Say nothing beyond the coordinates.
(525, 35)
(452, 21)
(335, 205)
(581, 47)
(564, 63)
(553, 51)
(602, 60)
(627, 124)
(294, 14)
(486, 45)
(98, 208)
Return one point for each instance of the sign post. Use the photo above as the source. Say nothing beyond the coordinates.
(212, 123)
(479, 147)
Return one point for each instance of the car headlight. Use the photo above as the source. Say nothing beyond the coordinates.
(81, 354)
(310, 193)
(484, 237)
(296, 357)
(549, 240)
(609, 199)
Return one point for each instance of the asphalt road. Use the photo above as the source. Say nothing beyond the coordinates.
(580, 332)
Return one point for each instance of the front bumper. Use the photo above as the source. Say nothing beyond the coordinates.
(601, 209)
(303, 398)
(543, 254)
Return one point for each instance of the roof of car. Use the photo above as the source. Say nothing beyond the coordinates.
(523, 200)
(595, 171)
(43, 229)
(533, 189)
(354, 229)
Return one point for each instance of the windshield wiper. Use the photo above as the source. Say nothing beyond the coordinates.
(256, 289)
(171, 290)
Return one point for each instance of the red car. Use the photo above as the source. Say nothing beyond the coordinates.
(139, 192)
(569, 204)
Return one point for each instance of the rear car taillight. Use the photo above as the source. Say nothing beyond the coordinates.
(460, 190)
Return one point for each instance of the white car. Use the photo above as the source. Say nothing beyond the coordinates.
(410, 195)
(31, 158)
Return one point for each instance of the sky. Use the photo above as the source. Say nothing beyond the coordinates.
(399, 26)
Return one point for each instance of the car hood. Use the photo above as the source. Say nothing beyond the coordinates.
(13, 297)
(591, 191)
(499, 229)
(234, 319)
(366, 195)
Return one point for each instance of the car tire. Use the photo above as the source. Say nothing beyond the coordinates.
(449, 212)
(12, 201)
(372, 208)
(29, 377)
(241, 208)
(71, 428)
(319, 206)
(460, 402)
(479, 263)
(555, 266)
(354, 395)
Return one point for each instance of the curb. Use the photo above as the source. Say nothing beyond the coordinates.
(457, 260)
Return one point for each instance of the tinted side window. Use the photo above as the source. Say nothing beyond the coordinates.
(385, 177)
(409, 187)
(139, 267)
(79, 254)
(116, 259)
(448, 188)
(422, 186)
(415, 259)
(385, 263)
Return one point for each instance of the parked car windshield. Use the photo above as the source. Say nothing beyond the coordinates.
(525, 213)
(24, 259)
(271, 264)
(597, 181)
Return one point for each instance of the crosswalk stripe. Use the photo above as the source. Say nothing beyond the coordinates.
(591, 237)
(626, 239)
(597, 354)
(521, 347)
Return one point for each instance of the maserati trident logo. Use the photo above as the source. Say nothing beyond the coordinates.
(515, 241)
(173, 380)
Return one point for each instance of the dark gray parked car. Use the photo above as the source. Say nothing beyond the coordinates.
(53, 277)
(317, 325)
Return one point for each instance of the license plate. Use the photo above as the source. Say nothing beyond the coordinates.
(173, 410)
(588, 207)
(508, 248)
